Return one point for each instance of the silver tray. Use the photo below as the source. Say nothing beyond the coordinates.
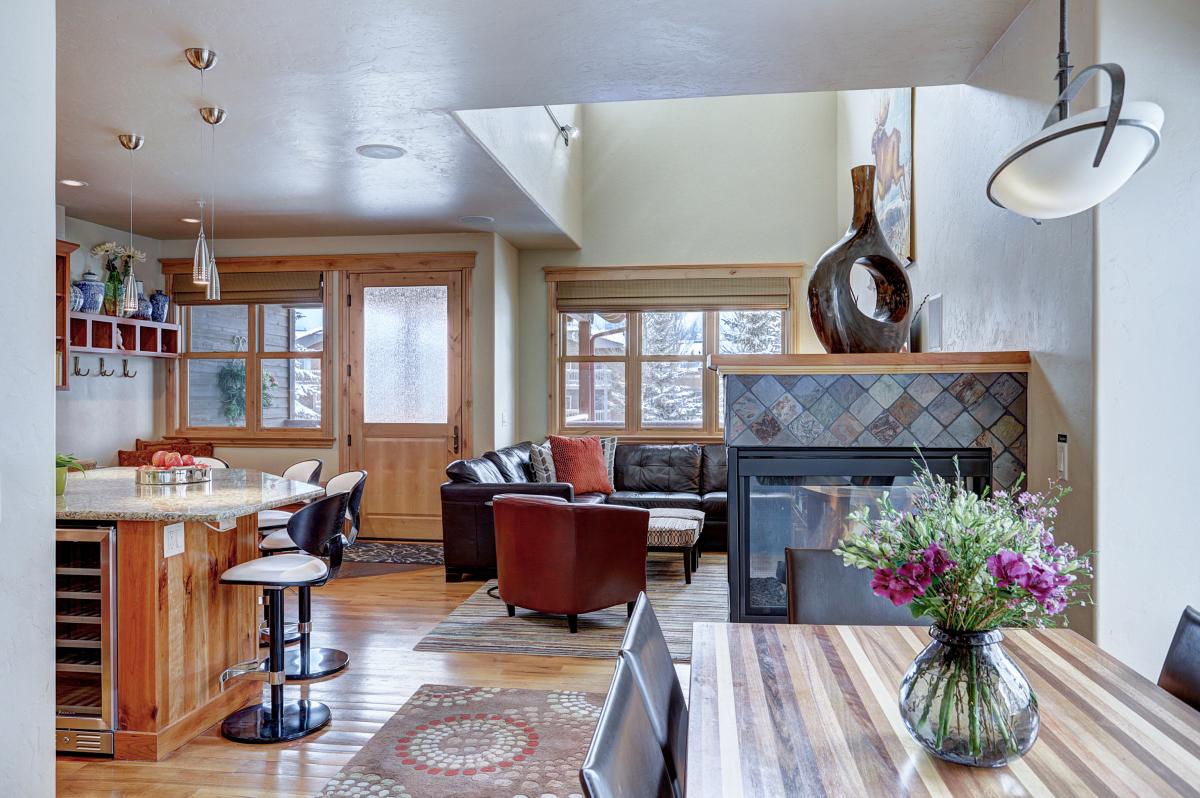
(180, 475)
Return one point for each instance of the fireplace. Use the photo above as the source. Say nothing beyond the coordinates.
(799, 497)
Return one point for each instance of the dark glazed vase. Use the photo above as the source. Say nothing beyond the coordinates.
(967, 702)
(838, 322)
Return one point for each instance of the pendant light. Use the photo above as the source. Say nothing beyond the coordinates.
(1077, 162)
(129, 303)
(212, 116)
(202, 59)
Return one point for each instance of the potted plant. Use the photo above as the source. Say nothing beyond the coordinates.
(62, 464)
(973, 565)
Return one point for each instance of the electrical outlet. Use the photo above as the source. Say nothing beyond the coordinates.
(172, 540)
(1062, 457)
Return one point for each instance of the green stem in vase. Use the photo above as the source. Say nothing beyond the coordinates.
(947, 704)
(973, 718)
(999, 718)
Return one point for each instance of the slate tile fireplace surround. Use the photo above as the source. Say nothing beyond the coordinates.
(812, 437)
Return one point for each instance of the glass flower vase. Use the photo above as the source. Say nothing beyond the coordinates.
(967, 702)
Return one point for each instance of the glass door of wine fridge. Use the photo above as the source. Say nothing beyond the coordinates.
(85, 596)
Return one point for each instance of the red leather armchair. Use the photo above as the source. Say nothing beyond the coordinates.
(569, 559)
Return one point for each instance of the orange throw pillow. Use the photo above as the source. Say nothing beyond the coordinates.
(580, 461)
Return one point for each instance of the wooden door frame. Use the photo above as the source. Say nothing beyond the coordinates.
(461, 262)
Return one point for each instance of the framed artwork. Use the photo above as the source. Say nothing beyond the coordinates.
(891, 147)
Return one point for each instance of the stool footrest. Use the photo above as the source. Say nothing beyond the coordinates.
(252, 669)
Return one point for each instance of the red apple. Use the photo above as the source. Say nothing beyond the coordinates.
(159, 458)
(174, 460)
(188, 460)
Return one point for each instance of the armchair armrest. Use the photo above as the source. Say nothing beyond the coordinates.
(479, 492)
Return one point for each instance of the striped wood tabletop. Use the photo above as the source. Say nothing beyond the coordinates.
(812, 710)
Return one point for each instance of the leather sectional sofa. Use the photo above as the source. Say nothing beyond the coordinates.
(645, 475)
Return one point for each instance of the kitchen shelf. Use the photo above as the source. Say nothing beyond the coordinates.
(93, 333)
(62, 302)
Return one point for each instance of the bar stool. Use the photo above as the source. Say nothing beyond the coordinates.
(305, 471)
(317, 530)
(305, 662)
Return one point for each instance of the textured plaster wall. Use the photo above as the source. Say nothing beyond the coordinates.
(100, 415)
(1148, 372)
(1006, 282)
(27, 228)
(716, 180)
(505, 362)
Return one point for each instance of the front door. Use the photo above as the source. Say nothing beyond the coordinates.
(404, 396)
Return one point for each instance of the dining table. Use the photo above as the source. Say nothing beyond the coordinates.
(796, 710)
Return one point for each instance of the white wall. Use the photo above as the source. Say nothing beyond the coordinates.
(1006, 282)
(714, 180)
(482, 299)
(1147, 328)
(526, 145)
(100, 415)
(27, 228)
(504, 354)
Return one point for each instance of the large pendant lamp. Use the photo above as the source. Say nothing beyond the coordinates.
(129, 301)
(203, 59)
(212, 116)
(1077, 162)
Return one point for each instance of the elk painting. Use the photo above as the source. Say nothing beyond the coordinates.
(891, 148)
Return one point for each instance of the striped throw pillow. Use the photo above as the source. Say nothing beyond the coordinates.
(542, 462)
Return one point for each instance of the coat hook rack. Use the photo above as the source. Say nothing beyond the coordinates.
(103, 373)
(125, 372)
(77, 372)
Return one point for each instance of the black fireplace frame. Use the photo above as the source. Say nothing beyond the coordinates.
(974, 464)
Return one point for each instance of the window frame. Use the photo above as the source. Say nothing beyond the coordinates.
(254, 433)
(711, 426)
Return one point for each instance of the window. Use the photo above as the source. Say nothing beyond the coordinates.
(645, 371)
(255, 370)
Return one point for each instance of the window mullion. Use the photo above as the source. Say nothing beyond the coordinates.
(633, 374)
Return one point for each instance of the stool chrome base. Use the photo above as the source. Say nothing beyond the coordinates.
(261, 723)
(321, 662)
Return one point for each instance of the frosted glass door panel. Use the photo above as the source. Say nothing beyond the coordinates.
(405, 354)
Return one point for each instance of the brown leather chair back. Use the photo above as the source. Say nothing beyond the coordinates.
(1181, 671)
(624, 759)
(821, 590)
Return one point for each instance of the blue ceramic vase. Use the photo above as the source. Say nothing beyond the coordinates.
(159, 302)
(93, 293)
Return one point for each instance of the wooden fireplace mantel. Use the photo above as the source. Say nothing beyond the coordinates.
(899, 363)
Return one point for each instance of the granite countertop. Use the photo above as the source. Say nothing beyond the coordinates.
(111, 494)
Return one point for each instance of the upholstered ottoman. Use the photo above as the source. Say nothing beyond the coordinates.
(673, 529)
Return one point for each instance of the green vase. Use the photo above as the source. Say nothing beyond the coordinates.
(60, 481)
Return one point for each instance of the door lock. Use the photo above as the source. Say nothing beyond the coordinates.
(455, 439)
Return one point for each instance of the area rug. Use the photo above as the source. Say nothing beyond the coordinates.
(481, 623)
(471, 742)
(398, 553)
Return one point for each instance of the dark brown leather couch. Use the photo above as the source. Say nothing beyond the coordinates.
(645, 475)
(547, 551)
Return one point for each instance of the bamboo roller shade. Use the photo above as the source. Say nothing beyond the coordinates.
(709, 293)
(251, 287)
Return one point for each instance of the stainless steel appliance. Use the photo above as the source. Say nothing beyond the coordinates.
(85, 639)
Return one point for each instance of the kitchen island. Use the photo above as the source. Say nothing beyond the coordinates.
(176, 626)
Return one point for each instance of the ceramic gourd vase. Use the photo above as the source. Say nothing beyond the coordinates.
(145, 309)
(93, 293)
(76, 297)
(840, 324)
(159, 302)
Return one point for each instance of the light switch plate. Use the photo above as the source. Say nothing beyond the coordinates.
(1062, 457)
(173, 540)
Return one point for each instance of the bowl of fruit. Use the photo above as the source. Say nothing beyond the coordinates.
(173, 468)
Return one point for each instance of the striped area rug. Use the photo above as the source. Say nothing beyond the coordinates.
(481, 623)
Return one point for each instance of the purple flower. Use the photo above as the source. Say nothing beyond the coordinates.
(917, 574)
(891, 586)
(936, 560)
(1009, 568)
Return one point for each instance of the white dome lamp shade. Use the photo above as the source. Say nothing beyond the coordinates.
(1079, 161)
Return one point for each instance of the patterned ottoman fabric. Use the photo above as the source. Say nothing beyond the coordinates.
(475, 741)
(667, 532)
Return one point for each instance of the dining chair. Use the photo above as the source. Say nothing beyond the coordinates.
(624, 758)
(821, 590)
(645, 649)
(1180, 674)
(304, 471)
(211, 462)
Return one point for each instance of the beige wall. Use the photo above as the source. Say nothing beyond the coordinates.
(27, 227)
(100, 415)
(482, 302)
(1148, 371)
(715, 180)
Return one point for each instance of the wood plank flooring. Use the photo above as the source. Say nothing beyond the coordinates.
(378, 619)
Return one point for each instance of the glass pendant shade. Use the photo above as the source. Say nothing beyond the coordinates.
(1078, 162)
(129, 299)
(213, 292)
(200, 259)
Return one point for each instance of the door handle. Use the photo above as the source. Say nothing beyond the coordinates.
(455, 438)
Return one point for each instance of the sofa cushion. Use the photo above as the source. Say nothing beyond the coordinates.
(653, 498)
(541, 462)
(714, 504)
(512, 462)
(669, 468)
(714, 468)
(476, 469)
(590, 498)
(580, 461)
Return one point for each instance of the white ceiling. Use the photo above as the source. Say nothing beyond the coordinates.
(306, 82)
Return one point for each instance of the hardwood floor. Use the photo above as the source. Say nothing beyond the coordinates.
(378, 619)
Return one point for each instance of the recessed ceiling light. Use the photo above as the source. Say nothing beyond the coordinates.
(477, 219)
(189, 220)
(383, 152)
(73, 183)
